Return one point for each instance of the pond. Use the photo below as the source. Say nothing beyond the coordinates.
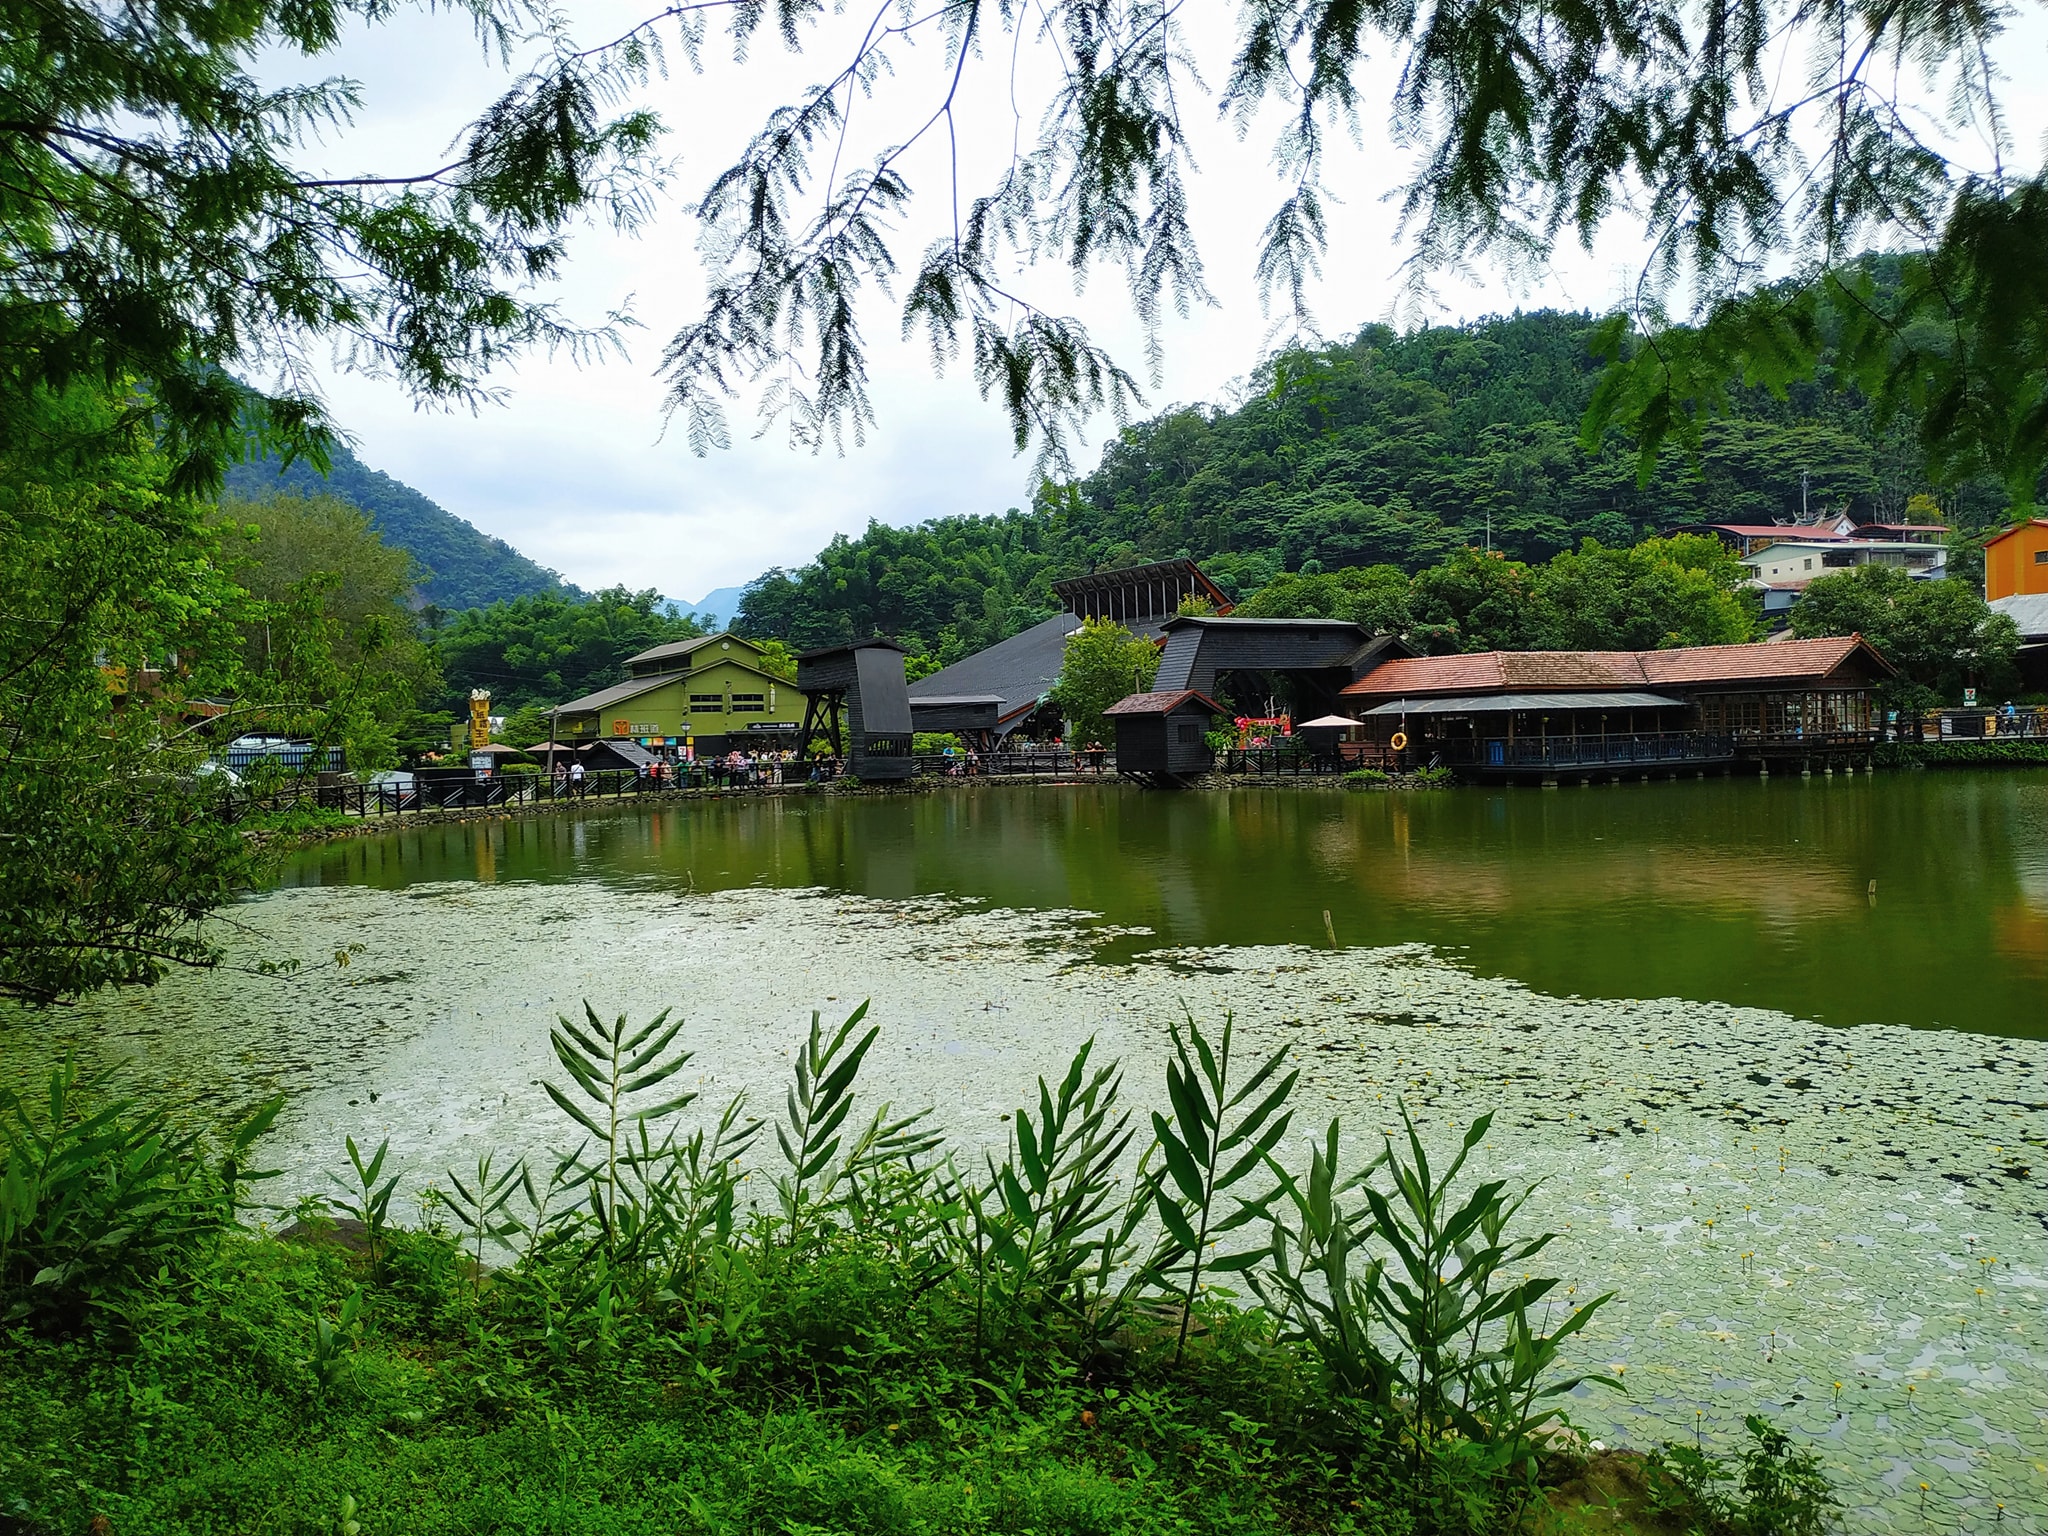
(1916, 899)
(1797, 1127)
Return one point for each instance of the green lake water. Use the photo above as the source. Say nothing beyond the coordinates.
(1740, 891)
(1798, 1130)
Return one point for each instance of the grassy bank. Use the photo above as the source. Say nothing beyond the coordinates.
(1963, 754)
(873, 1336)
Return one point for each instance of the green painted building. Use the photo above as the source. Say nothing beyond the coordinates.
(711, 693)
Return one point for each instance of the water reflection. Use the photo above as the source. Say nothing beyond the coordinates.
(1737, 891)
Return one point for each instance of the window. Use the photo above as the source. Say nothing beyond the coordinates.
(1190, 734)
(749, 704)
(1809, 565)
(707, 703)
(2041, 557)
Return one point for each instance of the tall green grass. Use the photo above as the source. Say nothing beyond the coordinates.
(1323, 1323)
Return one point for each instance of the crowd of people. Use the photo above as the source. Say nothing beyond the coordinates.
(740, 769)
(731, 770)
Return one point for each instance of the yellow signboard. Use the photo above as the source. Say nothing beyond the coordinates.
(479, 717)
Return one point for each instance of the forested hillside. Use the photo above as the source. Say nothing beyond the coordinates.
(463, 566)
(1386, 449)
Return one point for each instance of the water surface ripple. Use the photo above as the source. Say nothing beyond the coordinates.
(1796, 1215)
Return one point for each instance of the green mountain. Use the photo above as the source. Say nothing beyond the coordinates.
(1386, 449)
(465, 567)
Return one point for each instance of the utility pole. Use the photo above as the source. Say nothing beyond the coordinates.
(1804, 479)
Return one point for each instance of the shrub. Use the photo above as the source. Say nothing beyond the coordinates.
(297, 820)
(1777, 1489)
(101, 1202)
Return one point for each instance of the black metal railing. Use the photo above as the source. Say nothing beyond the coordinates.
(1287, 761)
(1609, 751)
(2025, 722)
(426, 792)
(1051, 761)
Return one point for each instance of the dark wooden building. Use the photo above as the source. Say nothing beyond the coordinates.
(1139, 592)
(1315, 657)
(974, 717)
(862, 684)
(1537, 713)
(1159, 736)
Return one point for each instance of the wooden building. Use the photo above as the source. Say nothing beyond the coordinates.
(1316, 658)
(1135, 593)
(1018, 673)
(711, 693)
(1513, 713)
(2016, 561)
(1160, 736)
(861, 684)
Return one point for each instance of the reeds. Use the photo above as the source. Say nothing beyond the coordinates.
(1097, 1242)
(1410, 1292)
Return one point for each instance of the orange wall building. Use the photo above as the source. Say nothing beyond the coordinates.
(2016, 560)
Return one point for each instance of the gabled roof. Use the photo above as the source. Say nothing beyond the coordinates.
(1162, 703)
(633, 687)
(1787, 661)
(856, 645)
(624, 748)
(2006, 533)
(618, 693)
(1071, 588)
(1784, 662)
(1020, 670)
(1227, 622)
(678, 650)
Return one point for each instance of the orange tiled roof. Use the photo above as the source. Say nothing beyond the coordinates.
(1789, 661)
(1161, 703)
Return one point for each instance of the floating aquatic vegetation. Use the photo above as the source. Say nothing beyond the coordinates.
(1839, 1225)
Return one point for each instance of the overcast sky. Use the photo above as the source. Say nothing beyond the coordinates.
(574, 468)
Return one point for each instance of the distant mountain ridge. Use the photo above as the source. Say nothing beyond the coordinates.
(463, 566)
(722, 604)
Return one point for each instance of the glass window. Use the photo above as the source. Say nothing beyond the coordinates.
(749, 704)
(707, 703)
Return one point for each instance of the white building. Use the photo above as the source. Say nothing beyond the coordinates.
(1783, 569)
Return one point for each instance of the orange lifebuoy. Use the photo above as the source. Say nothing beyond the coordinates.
(1399, 742)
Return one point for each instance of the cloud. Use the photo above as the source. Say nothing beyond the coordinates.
(575, 469)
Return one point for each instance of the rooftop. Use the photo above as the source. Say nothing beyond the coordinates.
(1806, 531)
(618, 693)
(676, 650)
(1162, 703)
(1786, 661)
(1020, 671)
(2006, 533)
(2029, 610)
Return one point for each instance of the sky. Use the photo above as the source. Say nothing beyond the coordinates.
(574, 466)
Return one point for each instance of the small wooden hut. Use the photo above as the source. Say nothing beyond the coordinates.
(1160, 736)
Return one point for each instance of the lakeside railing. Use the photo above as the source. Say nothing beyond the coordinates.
(1608, 751)
(2026, 722)
(457, 791)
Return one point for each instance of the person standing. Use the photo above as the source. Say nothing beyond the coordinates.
(576, 777)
